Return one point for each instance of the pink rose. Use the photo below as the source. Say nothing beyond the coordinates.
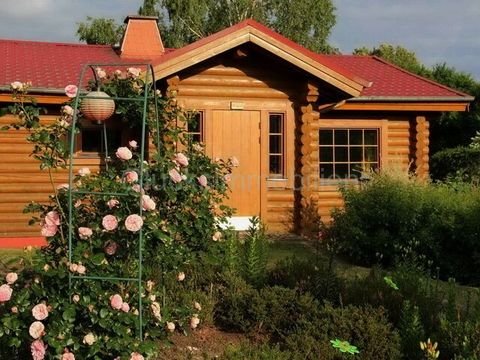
(112, 203)
(110, 247)
(63, 187)
(125, 307)
(68, 356)
(11, 278)
(67, 110)
(81, 269)
(136, 356)
(109, 222)
(133, 72)
(194, 321)
(202, 180)
(73, 267)
(131, 177)
(5, 293)
(71, 91)
(84, 232)
(123, 153)
(175, 176)
(147, 203)
(76, 298)
(101, 73)
(117, 73)
(170, 326)
(89, 339)
(84, 171)
(133, 144)
(52, 218)
(38, 349)
(227, 178)
(137, 188)
(36, 330)
(181, 159)
(14, 310)
(133, 223)
(181, 276)
(116, 302)
(49, 230)
(217, 236)
(40, 312)
(16, 85)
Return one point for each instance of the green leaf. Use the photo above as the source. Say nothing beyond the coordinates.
(97, 259)
(103, 313)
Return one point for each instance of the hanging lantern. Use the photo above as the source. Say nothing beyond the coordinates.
(97, 106)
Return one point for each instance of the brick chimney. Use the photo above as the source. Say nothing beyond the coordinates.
(141, 39)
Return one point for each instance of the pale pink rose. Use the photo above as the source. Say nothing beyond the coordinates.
(234, 161)
(181, 159)
(117, 73)
(40, 312)
(194, 321)
(170, 326)
(109, 222)
(14, 310)
(49, 230)
(125, 307)
(89, 339)
(131, 177)
(84, 171)
(133, 72)
(68, 356)
(181, 276)
(11, 278)
(67, 110)
(46, 267)
(136, 356)
(227, 178)
(137, 188)
(112, 203)
(217, 236)
(71, 91)
(38, 349)
(101, 73)
(76, 298)
(147, 203)
(63, 187)
(16, 85)
(5, 293)
(110, 247)
(133, 144)
(52, 218)
(85, 232)
(133, 223)
(116, 301)
(202, 180)
(155, 307)
(81, 269)
(73, 267)
(124, 153)
(197, 306)
(36, 330)
(175, 176)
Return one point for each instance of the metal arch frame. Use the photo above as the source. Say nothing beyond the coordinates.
(149, 75)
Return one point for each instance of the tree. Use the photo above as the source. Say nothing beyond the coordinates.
(307, 22)
(99, 31)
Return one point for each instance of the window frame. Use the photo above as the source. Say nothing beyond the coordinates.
(282, 154)
(201, 133)
(86, 125)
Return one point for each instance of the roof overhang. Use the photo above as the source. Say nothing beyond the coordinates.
(225, 40)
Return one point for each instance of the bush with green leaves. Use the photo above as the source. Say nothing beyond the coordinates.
(461, 163)
(392, 220)
(177, 209)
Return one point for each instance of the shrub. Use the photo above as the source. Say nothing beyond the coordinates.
(256, 352)
(460, 162)
(460, 339)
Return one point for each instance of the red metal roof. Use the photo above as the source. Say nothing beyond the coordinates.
(54, 65)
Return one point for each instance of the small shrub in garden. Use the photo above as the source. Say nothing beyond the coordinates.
(41, 315)
(256, 352)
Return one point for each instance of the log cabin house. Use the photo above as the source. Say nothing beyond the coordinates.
(299, 122)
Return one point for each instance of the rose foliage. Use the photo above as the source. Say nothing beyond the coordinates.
(177, 209)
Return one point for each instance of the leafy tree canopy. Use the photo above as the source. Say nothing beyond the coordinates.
(308, 22)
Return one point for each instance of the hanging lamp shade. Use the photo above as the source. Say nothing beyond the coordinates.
(97, 106)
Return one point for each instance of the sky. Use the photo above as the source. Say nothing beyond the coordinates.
(437, 31)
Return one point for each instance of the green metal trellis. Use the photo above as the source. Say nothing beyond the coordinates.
(149, 84)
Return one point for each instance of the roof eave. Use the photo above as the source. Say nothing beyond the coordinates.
(412, 98)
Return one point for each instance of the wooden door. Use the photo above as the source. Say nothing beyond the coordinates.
(237, 133)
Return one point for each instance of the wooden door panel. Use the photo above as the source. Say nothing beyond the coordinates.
(237, 133)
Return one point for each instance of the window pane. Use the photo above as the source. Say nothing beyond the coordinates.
(371, 137)
(195, 125)
(326, 137)
(196, 138)
(326, 171)
(276, 164)
(370, 154)
(356, 154)
(341, 137)
(341, 154)
(326, 153)
(341, 171)
(93, 140)
(356, 137)
(276, 123)
(275, 144)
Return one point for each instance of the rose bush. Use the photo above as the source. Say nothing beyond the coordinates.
(50, 309)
